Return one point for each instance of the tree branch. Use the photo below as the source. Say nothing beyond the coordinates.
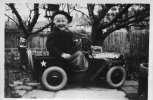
(116, 17)
(35, 17)
(82, 13)
(39, 30)
(90, 11)
(12, 20)
(62, 6)
(11, 5)
(105, 10)
(133, 16)
(139, 13)
(29, 17)
(68, 10)
(123, 25)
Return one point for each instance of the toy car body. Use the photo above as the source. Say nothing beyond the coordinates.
(54, 73)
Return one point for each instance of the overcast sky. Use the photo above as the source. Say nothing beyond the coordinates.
(24, 8)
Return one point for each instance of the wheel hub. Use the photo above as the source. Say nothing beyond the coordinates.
(117, 76)
(54, 78)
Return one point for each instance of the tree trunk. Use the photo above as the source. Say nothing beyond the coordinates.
(23, 56)
(96, 35)
(22, 51)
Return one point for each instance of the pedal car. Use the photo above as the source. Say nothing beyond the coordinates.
(55, 73)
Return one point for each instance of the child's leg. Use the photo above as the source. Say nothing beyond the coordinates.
(78, 60)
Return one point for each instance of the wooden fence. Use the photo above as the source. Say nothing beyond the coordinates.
(139, 43)
(38, 41)
(11, 38)
(135, 43)
(116, 42)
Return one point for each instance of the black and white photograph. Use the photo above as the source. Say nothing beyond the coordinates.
(65, 50)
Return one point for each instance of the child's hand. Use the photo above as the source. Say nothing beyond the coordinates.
(66, 56)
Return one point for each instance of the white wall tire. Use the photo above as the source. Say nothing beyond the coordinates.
(54, 78)
(116, 76)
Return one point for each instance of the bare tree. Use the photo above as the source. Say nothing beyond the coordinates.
(26, 29)
(112, 17)
(107, 19)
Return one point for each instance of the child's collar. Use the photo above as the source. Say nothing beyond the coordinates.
(67, 30)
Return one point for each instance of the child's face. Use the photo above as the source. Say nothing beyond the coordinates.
(61, 22)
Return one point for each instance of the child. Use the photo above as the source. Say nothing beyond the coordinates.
(60, 41)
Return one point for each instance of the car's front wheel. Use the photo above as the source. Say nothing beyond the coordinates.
(116, 76)
(54, 78)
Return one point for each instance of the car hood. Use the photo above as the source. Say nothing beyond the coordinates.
(105, 55)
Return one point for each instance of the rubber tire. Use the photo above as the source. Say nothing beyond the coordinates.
(109, 73)
(54, 88)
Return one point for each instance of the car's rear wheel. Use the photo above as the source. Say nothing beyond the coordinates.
(54, 78)
(116, 76)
